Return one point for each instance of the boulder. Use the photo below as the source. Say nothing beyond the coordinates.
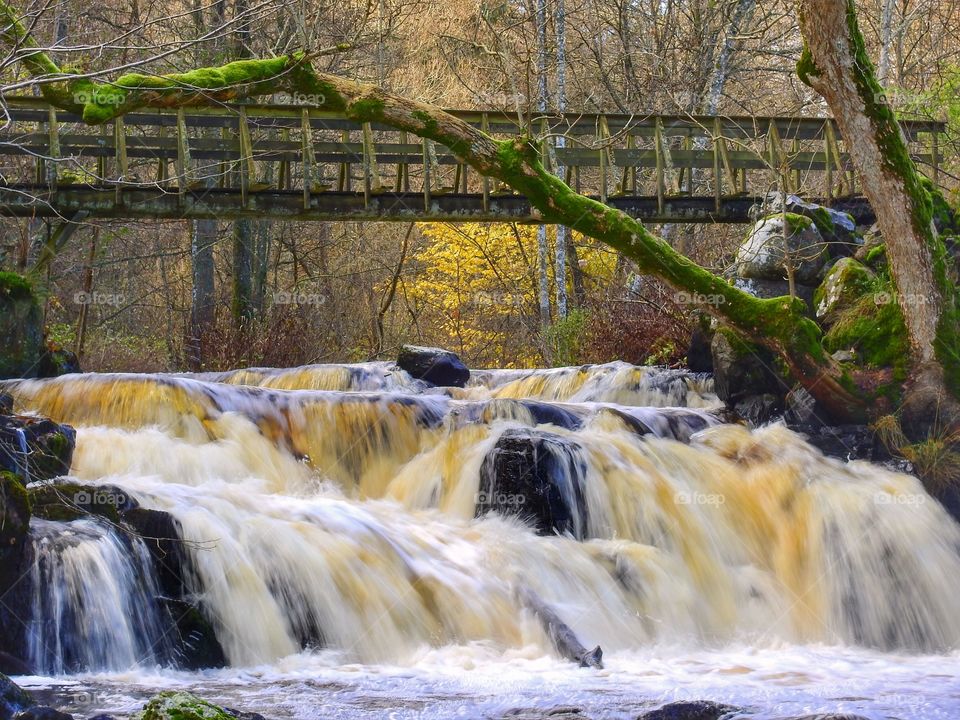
(846, 281)
(21, 327)
(13, 698)
(801, 408)
(196, 646)
(763, 255)
(699, 359)
(35, 448)
(537, 476)
(42, 712)
(160, 531)
(692, 710)
(433, 365)
(839, 229)
(741, 370)
(175, 705)
(6, 404)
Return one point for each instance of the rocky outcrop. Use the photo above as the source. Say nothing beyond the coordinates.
(692, 710)
(537, 476)
(433, 365)
(35, 448)
(21, 327)
(838, 229)
(13, 698)
(742, 370)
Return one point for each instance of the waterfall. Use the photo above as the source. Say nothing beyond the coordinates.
(94, 600)
(353, 510)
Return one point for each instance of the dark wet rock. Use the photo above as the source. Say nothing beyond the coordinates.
(21, 327)
(742, 370)
(692, 710)
(35, 448)
(244, 715)
(6, 404)
(66, 501)
(14, 525)
(537, 476)
(699, 358)
(549, 414)
(42, 712)
(56, 362)
(759, 409)
(161, 534)
(434, 365)
(102, 716)
(844, 442)
(197, 646)
(13, 698)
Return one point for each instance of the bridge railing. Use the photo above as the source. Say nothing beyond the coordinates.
(291, 149)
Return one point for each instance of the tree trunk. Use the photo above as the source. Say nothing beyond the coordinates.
(202, 239)
(836, 64)
(243, 250)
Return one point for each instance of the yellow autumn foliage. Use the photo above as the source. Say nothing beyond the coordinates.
(477, 286)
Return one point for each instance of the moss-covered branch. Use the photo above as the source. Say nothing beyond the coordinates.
(780, 324)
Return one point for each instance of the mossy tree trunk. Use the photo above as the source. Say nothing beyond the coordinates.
(780, 324)
(835, 63)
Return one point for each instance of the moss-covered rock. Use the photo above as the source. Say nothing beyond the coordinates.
(65, 501)
(21, 327)
(14, 525)
(174, 705)
(742, 370)
(873, 329)
(765, 256)
(845, 282)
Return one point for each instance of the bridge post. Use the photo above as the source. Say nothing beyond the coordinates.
(53, 133)
(183, 155)
(658, 153)
(717, 174)
(307, 157)
(120, 151)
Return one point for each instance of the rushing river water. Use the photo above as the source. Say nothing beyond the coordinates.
(327, 517)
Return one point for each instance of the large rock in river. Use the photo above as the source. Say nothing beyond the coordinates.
(537, 476)
(433, 365)
(35, 448)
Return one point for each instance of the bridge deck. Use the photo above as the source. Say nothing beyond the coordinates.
(289, 162)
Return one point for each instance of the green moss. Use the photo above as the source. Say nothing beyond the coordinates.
(366, 109)
(806, 67)
(874, 329)
(821, 216)
(65, 501)
(876, 255)
(174, 705)
(15, 287)
(797, 223)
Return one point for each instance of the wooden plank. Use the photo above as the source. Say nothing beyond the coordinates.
(53, 153)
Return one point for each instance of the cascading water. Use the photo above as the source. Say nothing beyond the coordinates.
(342, 513)
(94, 600)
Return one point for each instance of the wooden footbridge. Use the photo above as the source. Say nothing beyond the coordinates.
(289, 162)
